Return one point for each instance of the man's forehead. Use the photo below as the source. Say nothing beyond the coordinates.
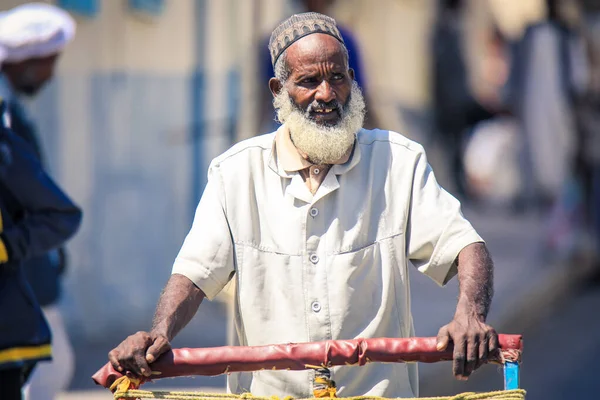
(318, 47)
(297, 27)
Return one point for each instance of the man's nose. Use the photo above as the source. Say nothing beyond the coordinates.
(325, 92)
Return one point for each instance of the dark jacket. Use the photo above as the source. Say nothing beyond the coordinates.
(43, 271)
(36, 216)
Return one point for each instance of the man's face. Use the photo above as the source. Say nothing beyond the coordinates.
(320, 81)
(29, 76)
(320, 103)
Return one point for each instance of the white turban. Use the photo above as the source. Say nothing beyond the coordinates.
(34, 30)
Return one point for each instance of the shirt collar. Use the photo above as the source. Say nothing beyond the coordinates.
(288, 156)
(286, 159)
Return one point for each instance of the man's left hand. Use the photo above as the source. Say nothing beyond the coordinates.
(474, 341)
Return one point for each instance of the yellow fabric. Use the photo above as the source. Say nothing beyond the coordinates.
(328, 393)
(123, 384)
(3, 251)
(327, 388)
(25, 353)
(517, 394)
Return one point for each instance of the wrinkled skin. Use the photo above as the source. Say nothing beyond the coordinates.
(136, 352)
(176, 307)
(320, 81)
(474, 341)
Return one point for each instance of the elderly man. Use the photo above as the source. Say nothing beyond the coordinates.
(32, 37)
(317, 223)
(35, 216)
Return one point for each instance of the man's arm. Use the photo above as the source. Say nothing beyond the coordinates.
(176, 307)
(476, 281)
(441, 244)
(204, 265)
(473, 339)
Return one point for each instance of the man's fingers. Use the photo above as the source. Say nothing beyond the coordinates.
(128, 366)
(141, 366)
(123, 361)
(133, 365)
(160, 346)
(129, 356)
(483, 352)
(113, 358)
(472, 355)
(493, 344)
(459, 358)
(442, 339)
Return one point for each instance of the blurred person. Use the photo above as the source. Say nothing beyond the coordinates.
(553, 95)
(587, 112)
(32, 37)
(543, 77)
(268, 118)
(317, 223)
(35, 217)
(491, 156)
(455, 107)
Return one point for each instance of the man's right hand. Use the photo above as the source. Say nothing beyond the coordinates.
(136, 352)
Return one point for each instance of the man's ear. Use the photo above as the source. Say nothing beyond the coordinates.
(351, 73)
(275, 86)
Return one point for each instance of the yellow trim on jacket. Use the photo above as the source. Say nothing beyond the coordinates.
(25, 353)
(3, 251)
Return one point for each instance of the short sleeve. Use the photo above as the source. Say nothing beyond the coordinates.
(437, 230)
(206, 256)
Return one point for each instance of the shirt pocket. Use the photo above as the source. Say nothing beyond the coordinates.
(364, 288)
(270, 296)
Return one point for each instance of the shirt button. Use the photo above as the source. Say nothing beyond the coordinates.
(314, 212)
(316, 306)
(316, 171)
(314, 258)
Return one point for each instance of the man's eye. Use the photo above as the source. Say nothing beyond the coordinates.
(337, 77)
(309, 80)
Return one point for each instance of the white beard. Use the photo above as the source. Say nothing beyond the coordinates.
(322, 144)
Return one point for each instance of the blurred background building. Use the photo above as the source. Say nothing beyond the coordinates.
(151, 90)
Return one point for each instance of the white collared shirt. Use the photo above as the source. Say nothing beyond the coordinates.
(333, 265)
